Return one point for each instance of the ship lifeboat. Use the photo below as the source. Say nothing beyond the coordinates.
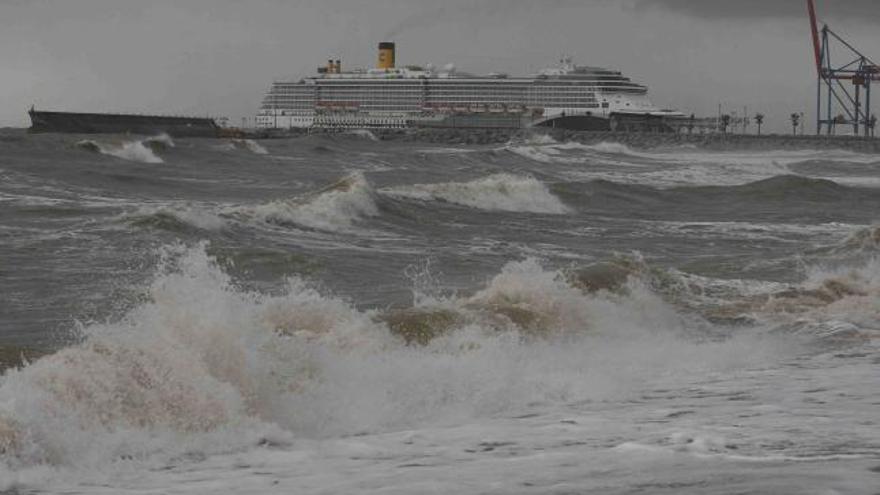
(461, 108)
(478, 108)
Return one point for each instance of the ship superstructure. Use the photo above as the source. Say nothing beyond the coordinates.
(568, 96)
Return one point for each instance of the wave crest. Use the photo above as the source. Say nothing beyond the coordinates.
(500, 192)
(333, 208)
(143, 151)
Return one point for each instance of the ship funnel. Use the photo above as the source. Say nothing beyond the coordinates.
(387, 54)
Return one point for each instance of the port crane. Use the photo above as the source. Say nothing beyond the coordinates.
(844, 91)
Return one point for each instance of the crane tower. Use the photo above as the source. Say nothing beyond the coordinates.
(844, 91)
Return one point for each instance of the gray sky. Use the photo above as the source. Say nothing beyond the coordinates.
(218, 57)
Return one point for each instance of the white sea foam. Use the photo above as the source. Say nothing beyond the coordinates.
(336, 207)
(500, 192)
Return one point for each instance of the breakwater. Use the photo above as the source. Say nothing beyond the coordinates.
(718, 142)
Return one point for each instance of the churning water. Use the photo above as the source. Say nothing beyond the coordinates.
(348, 315)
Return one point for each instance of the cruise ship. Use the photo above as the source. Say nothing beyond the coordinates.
(568, 96)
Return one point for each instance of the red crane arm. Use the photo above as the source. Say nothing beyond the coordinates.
(814, 26)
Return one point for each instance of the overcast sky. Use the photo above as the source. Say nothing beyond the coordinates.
(218, 57)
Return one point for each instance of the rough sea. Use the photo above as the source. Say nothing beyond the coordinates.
(340, 315)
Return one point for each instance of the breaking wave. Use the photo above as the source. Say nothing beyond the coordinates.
(202, 366)
(500, 192)
(836, 304)
(159, 143)
(335, 207)
(839, 306)
(143, 151)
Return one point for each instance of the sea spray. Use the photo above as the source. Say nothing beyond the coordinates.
(203, 366)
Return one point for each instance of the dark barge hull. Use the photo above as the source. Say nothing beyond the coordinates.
(105, 123)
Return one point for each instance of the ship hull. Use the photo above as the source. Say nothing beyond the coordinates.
(99, 123)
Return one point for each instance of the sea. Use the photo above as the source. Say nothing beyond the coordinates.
(343, 314)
